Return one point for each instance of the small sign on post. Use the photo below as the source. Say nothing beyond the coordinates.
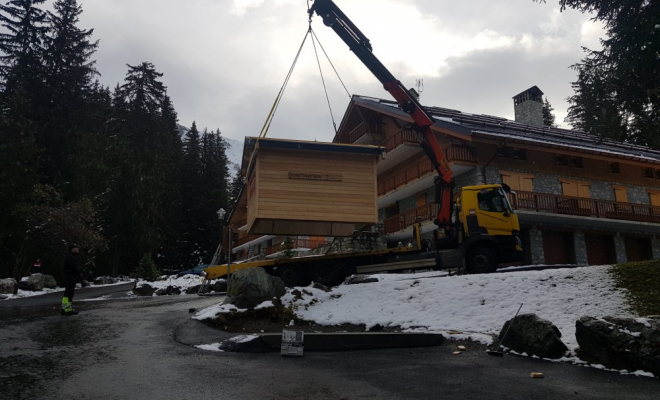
(292, 343)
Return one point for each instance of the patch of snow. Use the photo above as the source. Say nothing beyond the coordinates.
(643, 373)
(644, 321)
(212, 311)
(634, 334)
(183, 282)
(242, 338)
(29, 293)
(210, 347)
(265, 304)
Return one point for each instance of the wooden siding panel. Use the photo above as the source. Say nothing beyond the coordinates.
(339, 192)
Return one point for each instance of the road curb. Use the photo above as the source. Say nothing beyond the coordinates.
(341, 341)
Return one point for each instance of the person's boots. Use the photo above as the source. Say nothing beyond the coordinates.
(67, 308)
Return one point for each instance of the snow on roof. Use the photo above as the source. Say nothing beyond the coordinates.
(544, 136)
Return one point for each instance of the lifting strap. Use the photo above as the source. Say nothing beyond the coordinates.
(271, 114)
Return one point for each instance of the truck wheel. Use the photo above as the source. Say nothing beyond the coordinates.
(481, 260)
(329, 273)
(292, 275)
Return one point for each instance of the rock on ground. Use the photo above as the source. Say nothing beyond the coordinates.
(357, 279)
(105, 280)
(249, 287)
(620, 343)
(144, 290)
(8, 286)
(168, 291)
(50, 282)
(34, 282)
(533, 335)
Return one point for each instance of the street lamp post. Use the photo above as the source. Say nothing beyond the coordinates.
(221, 216)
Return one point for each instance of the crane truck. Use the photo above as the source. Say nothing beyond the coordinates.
(479, 229)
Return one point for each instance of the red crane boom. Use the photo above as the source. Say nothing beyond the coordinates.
(333, 17)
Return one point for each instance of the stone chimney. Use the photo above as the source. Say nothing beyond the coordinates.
(528, 107)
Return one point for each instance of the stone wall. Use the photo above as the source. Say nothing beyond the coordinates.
(580, 248)
(536, 245)
(620, 248)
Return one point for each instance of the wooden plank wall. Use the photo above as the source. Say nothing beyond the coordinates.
(351, 199)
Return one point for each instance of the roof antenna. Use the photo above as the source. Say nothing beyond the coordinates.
(419, 84)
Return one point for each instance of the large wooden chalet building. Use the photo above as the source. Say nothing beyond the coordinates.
(580, 199)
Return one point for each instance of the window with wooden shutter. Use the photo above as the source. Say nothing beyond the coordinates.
(518, 181)
(575, 206)
(620, 194)
(654, 196)
(575, 188)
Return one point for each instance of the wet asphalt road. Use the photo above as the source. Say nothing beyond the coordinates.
(141, 349)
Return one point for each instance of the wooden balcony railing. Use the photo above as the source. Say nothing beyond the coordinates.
(405, 176)
(551, 203)
(456, 153)
(402, 137)
(364, 129)
(399, 222)
(423, 168)
(542, 202)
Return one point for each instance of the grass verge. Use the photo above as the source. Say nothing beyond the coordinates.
(642, 280)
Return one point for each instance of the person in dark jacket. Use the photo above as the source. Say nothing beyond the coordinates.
(71, 276)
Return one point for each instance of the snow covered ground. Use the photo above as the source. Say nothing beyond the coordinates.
(475, 305)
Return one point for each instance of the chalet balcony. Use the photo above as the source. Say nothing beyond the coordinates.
(553, 209)
(577, 206)
(244, 240)
(424, 168)
(365, 133)
(399, 222)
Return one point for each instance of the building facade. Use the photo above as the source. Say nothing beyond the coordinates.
(580, 199)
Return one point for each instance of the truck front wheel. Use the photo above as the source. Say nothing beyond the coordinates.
(481, 260)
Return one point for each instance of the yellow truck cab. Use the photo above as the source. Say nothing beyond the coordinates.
(488, 228)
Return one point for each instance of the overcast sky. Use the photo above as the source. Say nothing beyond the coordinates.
(224, 61)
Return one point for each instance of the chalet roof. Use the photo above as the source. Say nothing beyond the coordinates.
(490, 127)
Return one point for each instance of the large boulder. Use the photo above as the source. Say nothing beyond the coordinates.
(219, 286)
(249, 287)
(34, 283)
(8, 286)
(168, 291)
(105, 280)
(193, 289)
(50, 282)
(620, 343)
(144, 290)
(533, 335)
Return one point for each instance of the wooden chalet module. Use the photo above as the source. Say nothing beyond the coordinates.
(309, 188)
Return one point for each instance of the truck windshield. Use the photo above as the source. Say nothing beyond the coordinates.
(493, 200)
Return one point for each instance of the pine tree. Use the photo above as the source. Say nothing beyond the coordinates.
(618, 88)
(70, 71)
(548, 116)
(18, 174)
(21, 45)
(139, 200)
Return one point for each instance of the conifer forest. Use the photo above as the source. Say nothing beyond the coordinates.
(109, 169)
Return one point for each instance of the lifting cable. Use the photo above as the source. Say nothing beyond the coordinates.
(271, 114)
(318, 62)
